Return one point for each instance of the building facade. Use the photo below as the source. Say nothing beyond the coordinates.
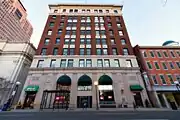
(161, 65)
(15, 61)
(82, 45)
(14, 25)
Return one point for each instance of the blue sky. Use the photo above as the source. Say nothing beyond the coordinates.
(148, 22)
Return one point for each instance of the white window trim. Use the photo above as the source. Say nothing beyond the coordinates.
(166, 53)
(172, 78)
(148, 66)
(159, 52)
(165, 64)
(158, 65)
(164, 79)
(153, 79)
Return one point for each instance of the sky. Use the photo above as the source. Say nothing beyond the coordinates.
(148, 22)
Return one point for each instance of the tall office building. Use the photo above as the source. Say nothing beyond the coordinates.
(14, 25)
(84, 56)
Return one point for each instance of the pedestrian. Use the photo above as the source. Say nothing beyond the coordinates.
(67, 106)
(134, 106)
(147, 103)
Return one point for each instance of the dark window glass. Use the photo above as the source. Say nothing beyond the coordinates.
(154, 79)
(59, 32)
(88, 51)
(88, 41)
(81, 51)
(46, 41)
(40, 63)
(51, 24)
(159, 54)
(66, 41)
(156, 65)
(76, 10)
(102, 32)
(178, 53)
(115, 11)
(68, 32)
(123, 42)
(72, 42)
(98, 51)
(125, 51)
(71, 10)
(178, 64)
(98, 41)
(109, 25)
(54, 17)
(99, 63)
(100, 11)
(63, 63)
(82, 41)
(114, 50)
(64, 10)
(55, 51)
(65, 51)
(71, 51)
(53, 63)
(162, 79)
(57, 40)
(172, 54)
(164, 66)
(107, 11)
(149, 65)
(70, 63)
(152, 53)
(88, 32)
(43, 51)
(73, 32)
(144, 53)
(171, 65)
(170, 79)
(165, 53)
(103, 41)
(83, 32)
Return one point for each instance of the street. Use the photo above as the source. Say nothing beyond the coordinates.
(92, 115)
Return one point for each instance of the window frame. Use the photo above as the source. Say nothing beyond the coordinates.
(63, 63)
(152, 78)
(39, 63)
(116, 64)
(150, 68)
(163, 79)
(88, 64)
(98, 63)
(106, 64)
(69, 64)
(53, 65)
(81, 63)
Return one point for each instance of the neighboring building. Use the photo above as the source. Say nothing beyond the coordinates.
(161, 65)
(14, 25)
(82, 45)
(170, 43)
(15, 60)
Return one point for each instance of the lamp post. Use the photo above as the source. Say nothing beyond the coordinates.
(96, 88)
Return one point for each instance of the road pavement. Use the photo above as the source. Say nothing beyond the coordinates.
(92, 115)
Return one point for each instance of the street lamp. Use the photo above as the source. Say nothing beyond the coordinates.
(96, 88)
(177, 85)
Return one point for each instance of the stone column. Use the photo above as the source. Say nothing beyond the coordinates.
(94, 102)
(166, 102)
(155, 99)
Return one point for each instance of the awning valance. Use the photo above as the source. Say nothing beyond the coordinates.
(136, 88)
(64, 80)
(105, 80)
(84, 81)
(33, 88)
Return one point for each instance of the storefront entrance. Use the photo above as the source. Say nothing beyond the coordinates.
(29, 99)
(138, 99)
(84, 99)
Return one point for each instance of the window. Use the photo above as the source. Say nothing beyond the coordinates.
(105, 52)
(54, 17)
(49, 32)
(83, 10)
(178, 53)
(51, 24)
(70, 63)
(88, 63)
(55, 51)
(46, 41)
(106, 63)
(40, 63)
(88, 32)
(156, 65)
(117, 19)
(178, 78)
(154, 79)
(57, 40)
(162, 79)
(72, 42)
(159, 54)
(82, 41)
(152, 53)
(43, 51)
(88, 51)
(71, 51)
(116, 62)
(55, 11)
(97, 33)
(109, 25)
(118, 25)
(171, 65)
(81, 51)
(71, 10)
(59, 32)
(111, 33)
(61, 24)
(95, 11)
(68, 32)
(114, 51)
(112, 42)
(123, 42)
(172, 54)
(144, 53)
(120, 33)
(76, 10)
(115, 11)
(102, 32)
(170, 78)
(164, 66)
(149, 65)
(65, 51)
(53, 63)
(98, 41)
(73, 32)
(88, 10)
(103, 41)
(125, 51)
(98, 51)
(82, 32)
(64, 10)
(165, 54)
(99, 63)
(63, 63)
(81, 63)
(129, 63)
(66, 41)
(88, 41)
(107, 11)
(178, 64)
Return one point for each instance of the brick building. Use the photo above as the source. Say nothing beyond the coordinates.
(161, 65)
(82, 45)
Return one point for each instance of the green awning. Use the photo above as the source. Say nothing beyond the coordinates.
(105, 80)
(34, 88)
(64, 80)
(136, 87)
(84, 81)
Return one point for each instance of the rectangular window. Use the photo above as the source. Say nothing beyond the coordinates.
(129, 63)
(40, 64)
(152, 53)
(63, 63)
(81, 51)
(57, 40)
(76, 10)
(72, 42)
(170, 78)
(65, 51)
(159, 54)
(88, 41)
(43, 51)
(116, 62)
(66, 41)
(109, 25)
(162, 79)
(73, 32)
(118, 25)
(55, 51)
(105, 52)
(98, 41)
(51, 24)
(111, 33)
(106, 63)
(99, 63)
(123, 42)
(115, 11)
(164, 65)
(178, 64)
(82, 41)
(103, 41)
(88, 51)
(102, 32)
(171, 65)
(53, 63)
(46, 41)
(59, 32)
(178, 53)
(149, 65)
(71, 10)
(121, 33)
(114, 51)
(83, 32)
(70, 63)
(154, 79)
(49, 32)
(71, 51)
(178, 78)
(64, 10)
(107, 11)
(165, 53)
(81, 63)
(156, 65)
(172, 53)
(144, 53)
(97, 32)
(125, 51)
(100, 11)
(88, 63)
(98, 51)
(112, 42)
